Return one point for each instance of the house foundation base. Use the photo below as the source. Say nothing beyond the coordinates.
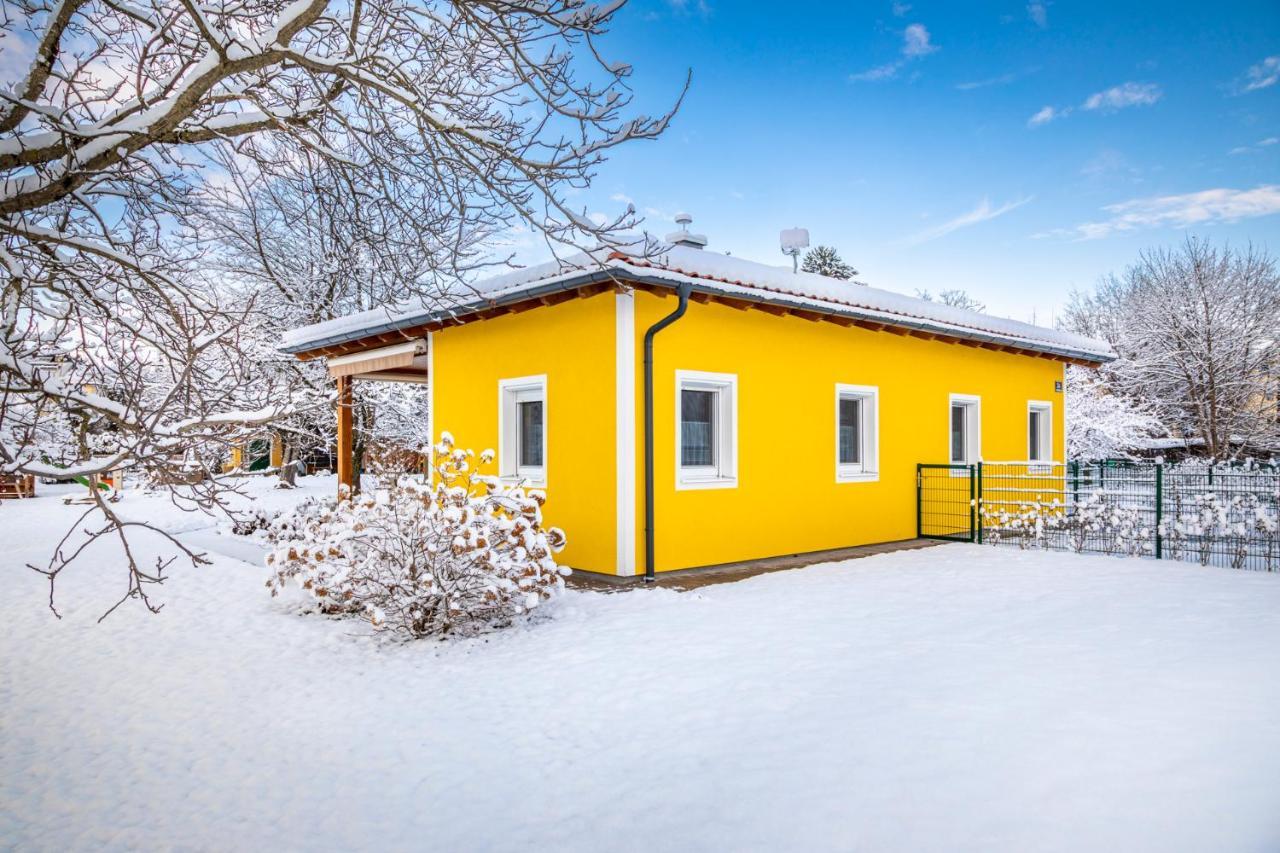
(730, 572)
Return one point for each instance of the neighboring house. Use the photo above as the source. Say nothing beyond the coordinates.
(263, 452)
(788, 410)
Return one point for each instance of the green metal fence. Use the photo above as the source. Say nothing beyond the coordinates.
(946, 502)
(1211, 515)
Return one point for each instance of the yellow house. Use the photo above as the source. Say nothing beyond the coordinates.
(780, 413)
(256, 454)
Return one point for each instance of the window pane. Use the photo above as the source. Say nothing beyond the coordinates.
(530, 443)
(1033, 440)
(850, 439)
(958, 429)
(697, 428)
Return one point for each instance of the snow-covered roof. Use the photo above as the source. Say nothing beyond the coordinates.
(707, 272)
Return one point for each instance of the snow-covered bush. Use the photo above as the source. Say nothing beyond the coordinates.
(1099, 524)
(466, 554)
(1242, 525)
(251, 522)
(1093, 524)
(1030, 524)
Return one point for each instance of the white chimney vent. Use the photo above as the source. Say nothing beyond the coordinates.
(683, 237)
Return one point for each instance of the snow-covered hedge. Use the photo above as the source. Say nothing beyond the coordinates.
(1095, 524)
(1240, 526)
(1242, 529)
(464, 555)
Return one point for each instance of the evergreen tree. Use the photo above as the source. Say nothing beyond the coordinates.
(825, 260)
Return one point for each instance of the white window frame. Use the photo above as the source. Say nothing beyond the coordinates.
(868, 470)
(973, 429)
(724, 474)
(1045, 408)
(512, 392)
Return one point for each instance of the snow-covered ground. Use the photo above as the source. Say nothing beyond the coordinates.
(955, 698)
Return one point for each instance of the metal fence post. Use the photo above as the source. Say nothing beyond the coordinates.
(1075, 482)
(978, 507)
(1159, 507)
(972, 501)
(919, 498)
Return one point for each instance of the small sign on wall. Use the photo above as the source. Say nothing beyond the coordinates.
(1057, 386)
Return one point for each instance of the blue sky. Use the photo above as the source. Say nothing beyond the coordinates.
(1014, 150)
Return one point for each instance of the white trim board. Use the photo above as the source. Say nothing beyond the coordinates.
(431, 408)
(624, 305)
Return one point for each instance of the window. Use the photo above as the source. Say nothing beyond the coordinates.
(1039, 431)
(522, 429)
(965, 429)
(529, 439)
(857, 422)
(706, 430)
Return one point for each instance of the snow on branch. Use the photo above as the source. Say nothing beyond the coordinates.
(181, 180)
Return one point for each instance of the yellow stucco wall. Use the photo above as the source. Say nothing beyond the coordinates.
(787, 499)
(573, 343)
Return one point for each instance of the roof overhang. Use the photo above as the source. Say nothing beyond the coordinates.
(594, 281)
(404, 362)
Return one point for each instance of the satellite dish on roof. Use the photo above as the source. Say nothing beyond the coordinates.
(794, 241)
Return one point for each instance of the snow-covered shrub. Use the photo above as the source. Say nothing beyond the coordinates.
(251, 522)
(1030, 524)
(463, 555)
(1097, 523)
(1093, 524)
(1243, 525)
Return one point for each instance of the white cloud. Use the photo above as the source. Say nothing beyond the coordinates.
(1107, 101)
(915, 41)
(915, 44)
(1257, 146)
(622, 197)
(1038, 13)
(1124, 95)
(684, 7)
(880, 72)
(1262, 75)
(969, 85)
(1108, 165)
(900, 9)
(1047, 114)
(1179, 211)
(983, 212)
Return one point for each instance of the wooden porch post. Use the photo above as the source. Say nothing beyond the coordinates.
(346, 448)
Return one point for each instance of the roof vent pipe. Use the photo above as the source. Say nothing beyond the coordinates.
(683, 237)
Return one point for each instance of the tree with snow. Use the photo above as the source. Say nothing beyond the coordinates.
(306, 242)
(471, 117)
(1195, 329)
(1101, 423)
(954, 297)
(824, 260)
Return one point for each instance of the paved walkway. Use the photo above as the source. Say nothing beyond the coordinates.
(731, 572)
